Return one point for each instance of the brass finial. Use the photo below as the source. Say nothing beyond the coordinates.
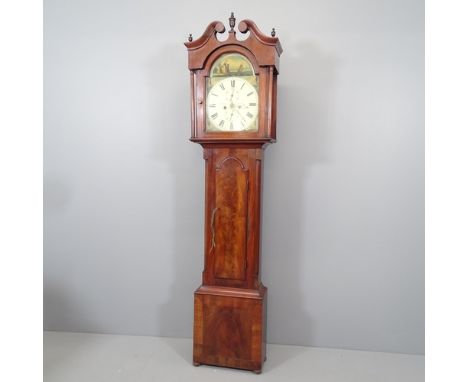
(273, 32)
(190, 38)
(232, 22)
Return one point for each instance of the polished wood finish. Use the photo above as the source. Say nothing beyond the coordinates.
(230, 305)
(229, 327)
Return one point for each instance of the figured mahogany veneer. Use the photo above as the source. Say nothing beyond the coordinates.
(230, 305)
(229, 327)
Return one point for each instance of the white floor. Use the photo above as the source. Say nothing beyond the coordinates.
(80, 357)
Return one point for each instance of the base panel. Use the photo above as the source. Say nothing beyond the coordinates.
(229, 327)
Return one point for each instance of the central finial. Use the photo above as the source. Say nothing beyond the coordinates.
(232, 22)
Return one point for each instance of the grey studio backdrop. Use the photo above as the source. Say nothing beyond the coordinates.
(343, 220)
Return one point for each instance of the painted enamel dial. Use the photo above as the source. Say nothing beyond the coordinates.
(232, 105)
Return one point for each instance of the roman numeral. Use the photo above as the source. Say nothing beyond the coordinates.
(250, 115)
(233, 83)
(249, 94)
(221, 123)
(221, 86)
(231, 126)
(243, 85)
(252, 104)
(212, 105)
(214, 115)
(214, 94)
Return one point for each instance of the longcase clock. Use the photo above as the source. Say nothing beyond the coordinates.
(233, 97)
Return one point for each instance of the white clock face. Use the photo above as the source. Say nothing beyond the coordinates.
(232, 105)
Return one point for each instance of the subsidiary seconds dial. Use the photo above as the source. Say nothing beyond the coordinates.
(232, 105)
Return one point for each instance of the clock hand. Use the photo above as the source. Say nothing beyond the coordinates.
(240, 116)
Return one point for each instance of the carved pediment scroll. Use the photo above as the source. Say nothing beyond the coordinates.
(267, 49)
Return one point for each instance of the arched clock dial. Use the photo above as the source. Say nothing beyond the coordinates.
(232, 105)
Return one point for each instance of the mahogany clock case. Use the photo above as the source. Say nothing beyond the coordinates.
(230, 305)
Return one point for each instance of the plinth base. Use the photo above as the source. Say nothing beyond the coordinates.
(230, 327)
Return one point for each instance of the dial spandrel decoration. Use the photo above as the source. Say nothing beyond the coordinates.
(232, 95)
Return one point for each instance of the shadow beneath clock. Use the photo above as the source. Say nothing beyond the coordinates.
(305, 132)
(181, 346)
(182, 259)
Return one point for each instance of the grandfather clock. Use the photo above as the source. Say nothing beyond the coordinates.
(233, 96)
